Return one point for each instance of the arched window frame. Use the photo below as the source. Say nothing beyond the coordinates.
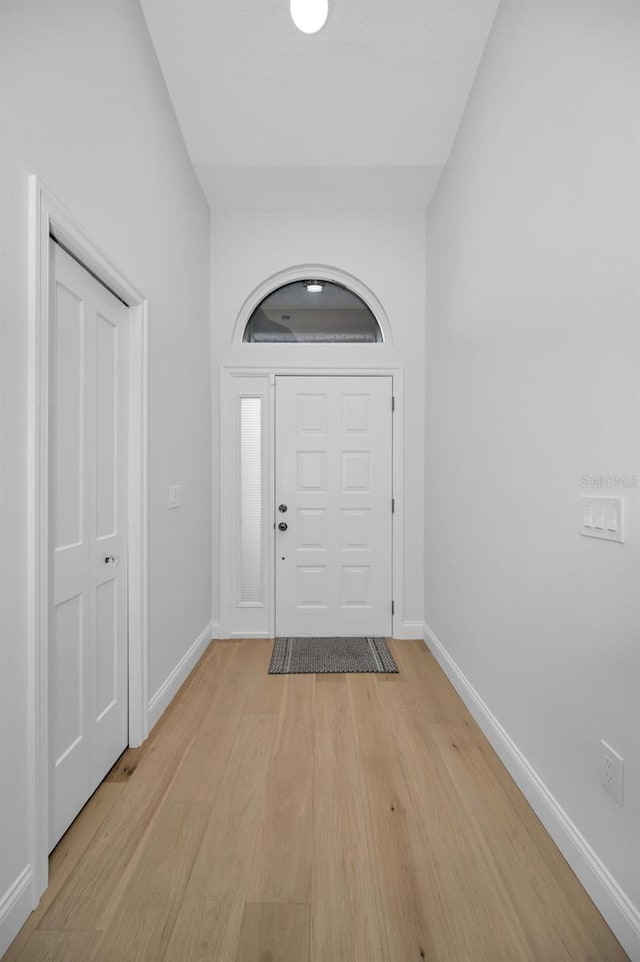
(302, 272)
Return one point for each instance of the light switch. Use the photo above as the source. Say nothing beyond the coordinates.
(598, 510)
(175, 495)
(601, 518)
(587, 512)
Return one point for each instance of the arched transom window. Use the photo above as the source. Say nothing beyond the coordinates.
(312, 311)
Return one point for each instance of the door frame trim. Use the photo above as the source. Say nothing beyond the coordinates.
(46, 215)
(227, 439)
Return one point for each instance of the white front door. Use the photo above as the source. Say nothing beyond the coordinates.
(88, 710)
(333, 489)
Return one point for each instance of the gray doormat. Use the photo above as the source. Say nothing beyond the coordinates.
(310, 656)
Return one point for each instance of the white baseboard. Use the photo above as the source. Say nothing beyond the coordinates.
(169, 687)
(215, 630)
(15, 907)
(408, 630)
(622, 916)
(251, 634)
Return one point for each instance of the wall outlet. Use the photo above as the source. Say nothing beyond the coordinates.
(612, 772)
(175, 496)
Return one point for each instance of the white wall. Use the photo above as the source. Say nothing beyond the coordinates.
(84, 107)
(532, 382)
(386, 253)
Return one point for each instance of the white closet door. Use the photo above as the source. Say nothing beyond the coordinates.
(88, 653)
(334, 476)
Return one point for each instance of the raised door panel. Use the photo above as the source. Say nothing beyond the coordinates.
(106, 667)
(67, 663)
(312, 413)
(356, 592)
(356, 523)
(312, 471)
(312, 528)
(106, 427)
(355, 413)
(311, 587)
(356, 471)
(68, 397)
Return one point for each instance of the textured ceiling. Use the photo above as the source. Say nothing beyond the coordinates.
(383, 85)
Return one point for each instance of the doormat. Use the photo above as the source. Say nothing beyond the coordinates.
(311, 656)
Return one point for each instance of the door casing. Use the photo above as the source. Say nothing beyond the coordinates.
(264, 379)
(47, 215)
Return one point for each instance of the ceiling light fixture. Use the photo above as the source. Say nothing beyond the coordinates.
(309, 16)
(314, 287)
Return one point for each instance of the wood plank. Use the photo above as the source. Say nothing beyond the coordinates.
(409, 648)
(281, 869)
(274, 933)
(59, 946)
(265, 692)
(205, 762)
(334, 730)
(210, 918)
(431, 692)
(403, 902)
(147, 910)
(296, 719)
(372, 730)
(344, 924)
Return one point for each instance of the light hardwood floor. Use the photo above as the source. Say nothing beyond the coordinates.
(327, 818)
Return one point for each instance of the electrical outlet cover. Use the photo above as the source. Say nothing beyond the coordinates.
(612, 772)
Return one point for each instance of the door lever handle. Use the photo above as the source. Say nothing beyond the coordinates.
(283, 526)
